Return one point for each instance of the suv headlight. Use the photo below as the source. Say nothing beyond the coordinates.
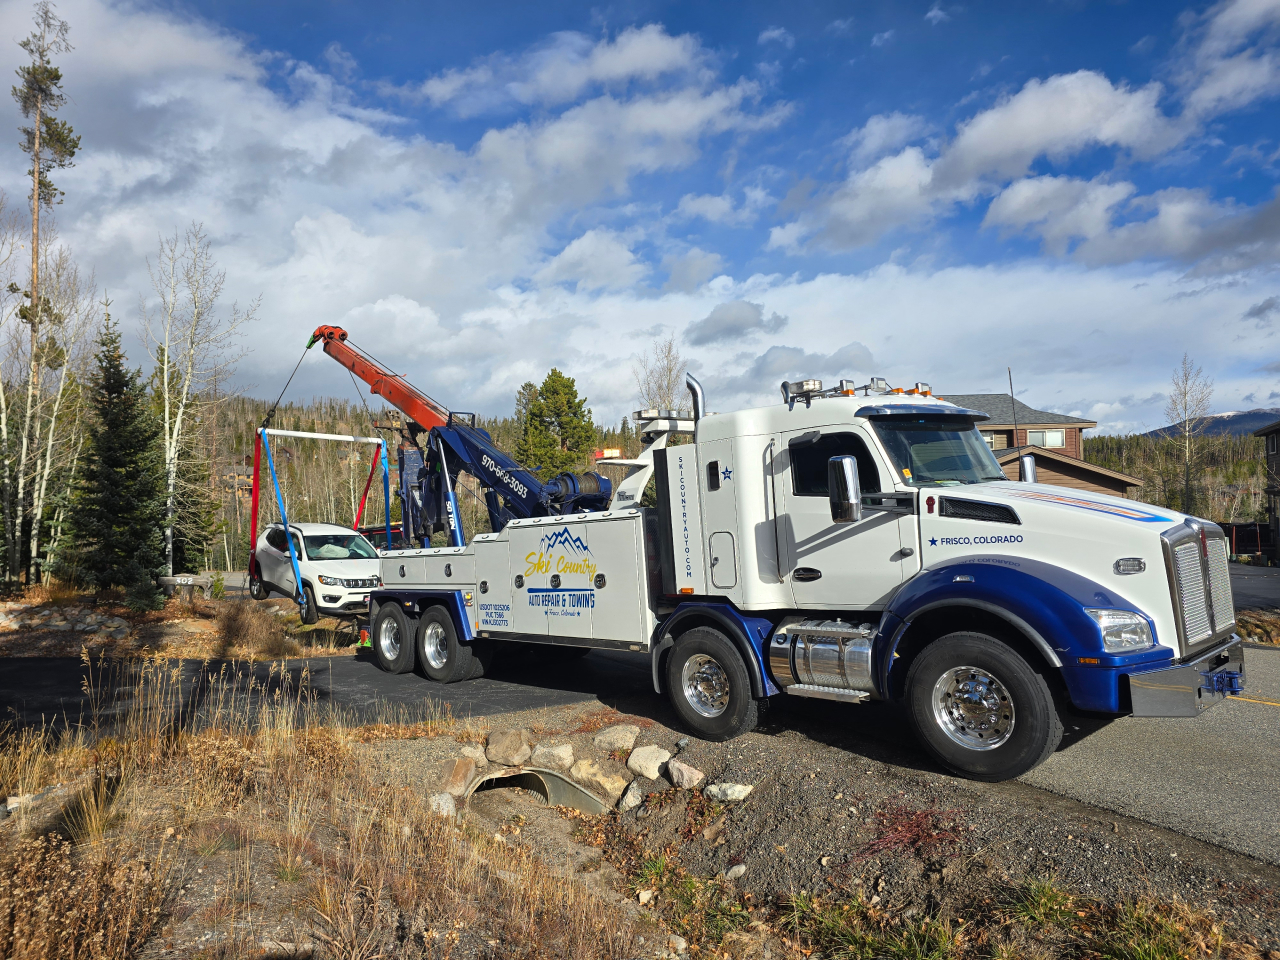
(330, 581)
(1123, 631)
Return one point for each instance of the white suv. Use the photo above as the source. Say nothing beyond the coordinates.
(339, 567)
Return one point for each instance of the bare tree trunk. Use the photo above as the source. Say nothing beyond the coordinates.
(38, 494)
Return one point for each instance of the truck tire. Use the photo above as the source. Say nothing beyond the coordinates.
(310, 612)
(709, 687)
(257, 589)
(982, 710)
(392, 639)
(442, 656)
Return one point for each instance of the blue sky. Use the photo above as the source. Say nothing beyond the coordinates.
(922, 191)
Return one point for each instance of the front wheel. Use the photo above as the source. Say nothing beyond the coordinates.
(392, 639)
(709, 687)
(982, 710)
(310, 612)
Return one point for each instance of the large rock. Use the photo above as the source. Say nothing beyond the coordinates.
(476, 754)
(619, 737)
(727, 792)
(633, 797)
(458, 775)
(558, 757)
(593, 776)
(647, 761)
(443, 805)
(510, 747)
(684, 776)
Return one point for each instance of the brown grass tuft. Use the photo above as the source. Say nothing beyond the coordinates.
(248, 627)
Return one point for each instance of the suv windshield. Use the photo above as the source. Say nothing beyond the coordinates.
(938, 452)
(339, 546)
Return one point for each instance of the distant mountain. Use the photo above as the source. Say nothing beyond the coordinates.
(1236, 423)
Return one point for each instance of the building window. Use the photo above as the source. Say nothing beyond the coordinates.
(990, 438)
(1271, 443)
(1047, 438)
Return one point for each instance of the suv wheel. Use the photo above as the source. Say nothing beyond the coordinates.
(310, 612)
(982, 710)
(392, 639)
(257, 589)
(708, 685)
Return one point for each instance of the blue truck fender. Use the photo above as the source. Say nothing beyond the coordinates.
(416, 601)
(749, 635)
(1043, 603)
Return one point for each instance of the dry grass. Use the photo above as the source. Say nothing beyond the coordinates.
(249, 629)
(1259, 626)
(229, 802)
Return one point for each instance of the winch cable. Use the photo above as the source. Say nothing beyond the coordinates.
(266, 421)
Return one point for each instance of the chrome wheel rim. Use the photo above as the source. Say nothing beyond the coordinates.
(435, 647)
(973, 708)
(706, 685)
(389, 639)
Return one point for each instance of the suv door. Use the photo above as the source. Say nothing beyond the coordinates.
(272, 557)
(836, 565)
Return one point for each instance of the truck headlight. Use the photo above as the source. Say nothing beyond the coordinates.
(1123, 631)
(330, 581)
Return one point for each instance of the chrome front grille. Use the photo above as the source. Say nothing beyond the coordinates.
(1196, 625)
(1224, 611)
(1196, 558)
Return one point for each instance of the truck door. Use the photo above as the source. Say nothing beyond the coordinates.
(830, 565)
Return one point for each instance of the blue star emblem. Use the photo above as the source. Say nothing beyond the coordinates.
(726, 473)
(933, 541)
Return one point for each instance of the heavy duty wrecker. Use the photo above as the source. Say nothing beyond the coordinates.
(848, 544)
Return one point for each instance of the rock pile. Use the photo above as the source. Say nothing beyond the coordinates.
(623, 784)
(20, 616)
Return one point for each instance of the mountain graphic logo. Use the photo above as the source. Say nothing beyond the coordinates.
(563, 539)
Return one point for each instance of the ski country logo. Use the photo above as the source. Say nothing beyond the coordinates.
(560, 552)
(1116, 511)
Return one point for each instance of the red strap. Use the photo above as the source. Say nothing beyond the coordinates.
(365, 496)
(253, 510)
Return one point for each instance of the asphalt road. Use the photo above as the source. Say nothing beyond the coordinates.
(1214, 777)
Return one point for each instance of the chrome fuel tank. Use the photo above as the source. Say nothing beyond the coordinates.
(830, 654)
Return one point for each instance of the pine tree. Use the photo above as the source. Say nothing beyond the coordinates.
(117, 521)
(558, 432)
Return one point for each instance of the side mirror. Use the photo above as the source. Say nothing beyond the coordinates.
(844, 490)
(1027, 468)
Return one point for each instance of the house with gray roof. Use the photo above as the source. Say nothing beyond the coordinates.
(1054, 439)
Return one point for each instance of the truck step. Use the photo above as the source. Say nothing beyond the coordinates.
(827, 693)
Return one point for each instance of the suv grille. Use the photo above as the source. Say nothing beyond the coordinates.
(354, 584)
(976, 510)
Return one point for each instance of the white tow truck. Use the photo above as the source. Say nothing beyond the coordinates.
(847, 544)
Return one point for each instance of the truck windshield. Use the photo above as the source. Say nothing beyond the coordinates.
(339, 546)
(938, 453)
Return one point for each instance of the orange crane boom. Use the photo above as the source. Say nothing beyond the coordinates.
(393, 388)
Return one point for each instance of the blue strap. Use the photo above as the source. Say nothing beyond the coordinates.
(386, 490)
(284, 518)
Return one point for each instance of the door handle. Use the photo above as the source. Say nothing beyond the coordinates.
(806, 574)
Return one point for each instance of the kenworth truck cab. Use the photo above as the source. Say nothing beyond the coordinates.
(847, 544)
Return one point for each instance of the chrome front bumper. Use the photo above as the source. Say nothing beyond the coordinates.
(1189, 689)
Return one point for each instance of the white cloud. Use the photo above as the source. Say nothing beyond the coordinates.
(564, 68)
(776, 35)
(722, 209)
(689, 271)
(937, 15)
(882, 134)
(880, 39)
(1228, 57)
(599, 259)
(735, 320)
(840, 27)
(1059, 209)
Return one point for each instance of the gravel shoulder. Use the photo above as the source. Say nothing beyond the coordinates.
(823, 820)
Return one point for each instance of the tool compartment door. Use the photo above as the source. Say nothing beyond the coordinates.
(530, 564)
(566, 601)
(620, 611)
(494, 588)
